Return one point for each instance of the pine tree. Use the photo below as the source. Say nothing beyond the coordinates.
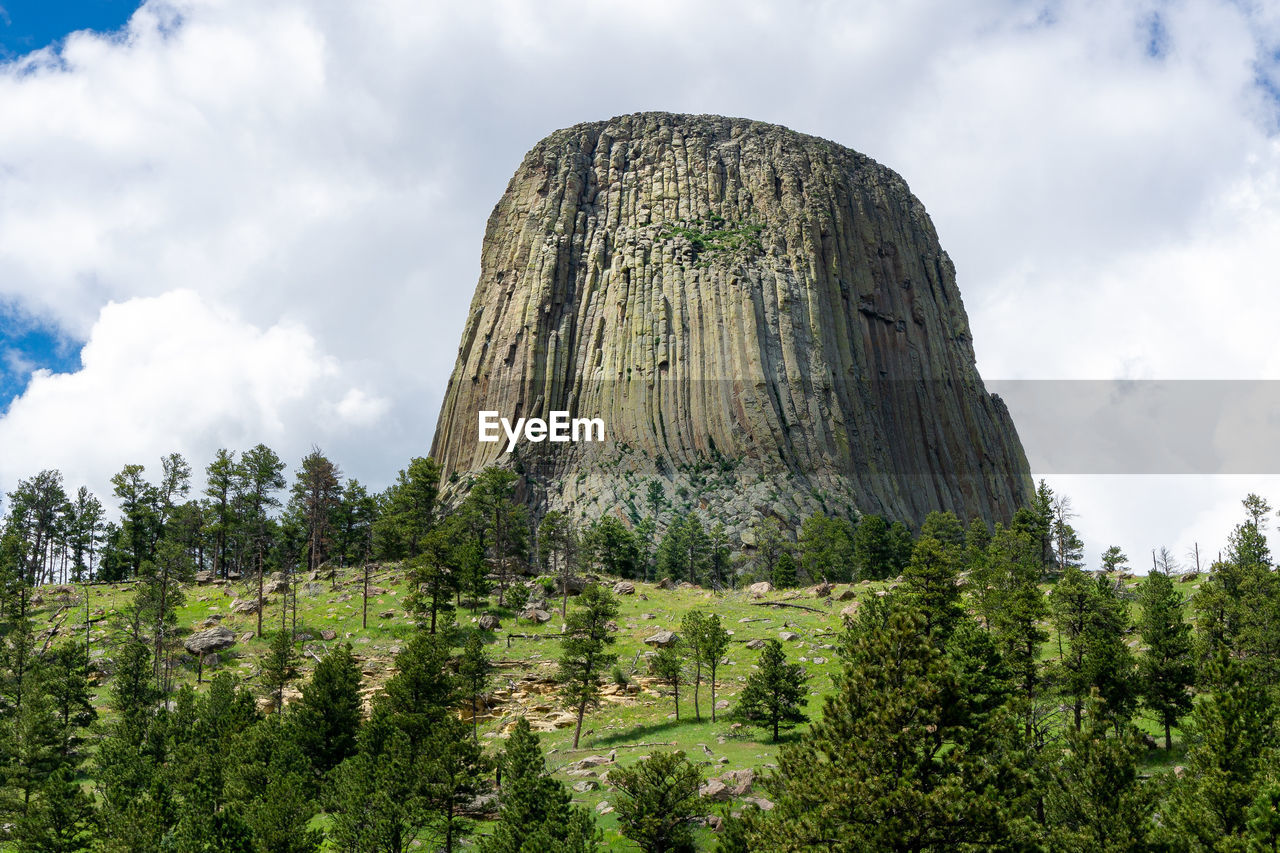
(379, 806)
(826, 548)
(280, 667)
(943, 527)
(583, 654)
(1094, 799)
(433, 578)
(423, 691)
(693, 634)
(929, 580)
(668, 666)
(270, 779)
(61, 818)
(536, 812)
(451, 776)
(774, 695)
(784, 571)
(612, 548)
(1167, 668)
(504, 522)
(913, 752)
(769, 548)
(712, 642)
(658, 802)
(558, 552)
(66, 678)
(1233, 732)
(1114, 560)
(475, 669)
(1014, 607)
(412, 507)
(220, 478)
(327, 719)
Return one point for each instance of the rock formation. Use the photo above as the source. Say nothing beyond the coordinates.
(764, 321)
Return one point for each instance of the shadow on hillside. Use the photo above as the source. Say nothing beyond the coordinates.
(639, 733)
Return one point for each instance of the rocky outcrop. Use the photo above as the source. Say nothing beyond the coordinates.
(210, 640)
(764, 321)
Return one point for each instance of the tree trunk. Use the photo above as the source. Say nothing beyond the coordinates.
(697, 684)
(1168, 737)
(713, 694)
(577, 733)
(675, 685)
(259, 590)
(364, 618)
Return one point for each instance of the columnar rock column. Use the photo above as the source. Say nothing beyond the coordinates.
(765, 322)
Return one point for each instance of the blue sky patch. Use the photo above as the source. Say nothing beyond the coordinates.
(26, 346)
(27, 25)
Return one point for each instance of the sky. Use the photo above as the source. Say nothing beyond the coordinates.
(232, 221)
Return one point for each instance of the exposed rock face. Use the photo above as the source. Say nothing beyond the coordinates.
(210, 640)
(764, 321)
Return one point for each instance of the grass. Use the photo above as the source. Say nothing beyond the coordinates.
(522, 650)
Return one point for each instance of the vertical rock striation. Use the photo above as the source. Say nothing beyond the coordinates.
(764, 321)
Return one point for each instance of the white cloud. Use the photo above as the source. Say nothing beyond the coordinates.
(325, 170)
(175, 373)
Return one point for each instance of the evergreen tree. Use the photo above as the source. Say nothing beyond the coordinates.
(140, 526)
(943, 527)
(315, 499)
(451, 776)
(658, 802)
(220, 479)
(668, 666)
(612, 548)
(774, 695)
(826, 548)
(475, 669)
(270, 779)
(61, 818)
(504, 523)
(713, 640)
(66, 679)
(423, 691)
(1014, 606)
(379, 805)
(875, 554)
(583, 655)
(913, 752)
(558, 552)
(1068, 549)
(1167, 668)
(1114, 560)
(685, 552)
(30, 747)
(280, 667)
(784, 571)
(412, 507)
(536, 812)
(1094, 799)
(1233, 732)
(693, 634)
(769, 548)
(929, 580)
(433, 578)
(327, 719)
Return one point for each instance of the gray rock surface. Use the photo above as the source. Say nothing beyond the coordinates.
(209, 640)
(765, 321)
